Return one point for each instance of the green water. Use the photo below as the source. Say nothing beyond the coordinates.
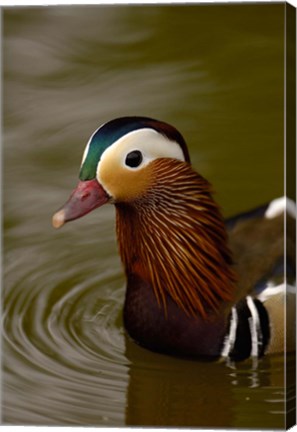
(214, 72)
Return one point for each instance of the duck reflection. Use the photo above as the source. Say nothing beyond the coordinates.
(165, 391)
(169, 392)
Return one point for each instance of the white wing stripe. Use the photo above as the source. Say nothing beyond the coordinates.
(255, 326)
(231, 337)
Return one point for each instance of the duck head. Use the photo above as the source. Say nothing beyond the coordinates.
(169, 229)
(115, 161)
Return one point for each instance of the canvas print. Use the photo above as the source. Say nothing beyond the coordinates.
(149, 215)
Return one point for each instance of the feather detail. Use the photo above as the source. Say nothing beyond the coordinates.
(173, 236)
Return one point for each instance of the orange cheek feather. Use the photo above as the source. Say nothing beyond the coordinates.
(125, 185)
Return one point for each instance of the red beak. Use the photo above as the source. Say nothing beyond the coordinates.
(87, 196)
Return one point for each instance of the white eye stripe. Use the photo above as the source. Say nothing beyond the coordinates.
(149, 142)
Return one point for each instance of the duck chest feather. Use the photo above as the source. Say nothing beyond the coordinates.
(171, 331)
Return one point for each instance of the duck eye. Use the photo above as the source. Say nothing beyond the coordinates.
(134, 159)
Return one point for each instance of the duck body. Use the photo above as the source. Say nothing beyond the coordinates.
(190, 288)
(175, 334)
(175, 331)
(153, 318)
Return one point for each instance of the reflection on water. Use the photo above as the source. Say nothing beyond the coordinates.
(186, 394)
(216, 73)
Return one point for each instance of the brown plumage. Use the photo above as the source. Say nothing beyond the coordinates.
(182, 295)
(173, 237)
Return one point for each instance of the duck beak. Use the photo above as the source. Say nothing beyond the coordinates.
(87, 196)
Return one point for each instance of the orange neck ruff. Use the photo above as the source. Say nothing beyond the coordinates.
(174, 237)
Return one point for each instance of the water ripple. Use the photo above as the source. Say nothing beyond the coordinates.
(69, 333)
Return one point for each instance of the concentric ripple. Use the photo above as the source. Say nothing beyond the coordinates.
(63, 337)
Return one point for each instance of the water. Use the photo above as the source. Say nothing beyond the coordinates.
(216, 73)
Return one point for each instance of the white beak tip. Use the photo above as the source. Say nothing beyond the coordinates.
(58, 219)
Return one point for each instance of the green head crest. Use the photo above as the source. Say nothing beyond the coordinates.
(110, 132)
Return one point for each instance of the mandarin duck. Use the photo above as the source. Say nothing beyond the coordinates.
(197, 285)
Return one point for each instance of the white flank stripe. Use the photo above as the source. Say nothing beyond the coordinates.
(278, 206)
(231, 337)
(274, 290)
(255, 327)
